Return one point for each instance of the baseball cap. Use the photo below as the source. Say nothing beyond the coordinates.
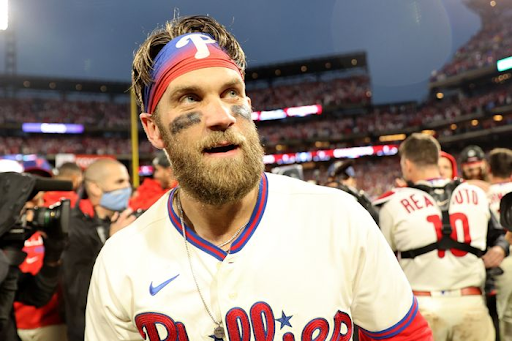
(472, 153)
(161, 160)
(344, 168)
(39, 171)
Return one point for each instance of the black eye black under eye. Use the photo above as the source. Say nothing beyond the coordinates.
(184, 121)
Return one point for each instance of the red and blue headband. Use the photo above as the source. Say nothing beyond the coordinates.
(183, 54)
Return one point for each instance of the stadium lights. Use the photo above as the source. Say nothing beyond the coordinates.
(504, 64)
(390, 138)
(4, 15)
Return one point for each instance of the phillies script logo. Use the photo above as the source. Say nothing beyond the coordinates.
(260, 322)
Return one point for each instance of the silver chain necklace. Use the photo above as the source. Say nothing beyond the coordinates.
(218, 331)
(232, 238)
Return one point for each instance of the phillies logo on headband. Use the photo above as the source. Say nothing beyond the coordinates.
(183, 54)
(200, 41)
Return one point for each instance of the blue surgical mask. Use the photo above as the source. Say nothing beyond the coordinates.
(116, 200)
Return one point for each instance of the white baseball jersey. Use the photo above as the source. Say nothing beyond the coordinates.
(495, 193)
(309, 264)
(411, 218)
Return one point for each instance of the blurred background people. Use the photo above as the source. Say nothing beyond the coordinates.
(342, 175)
(44, 323)
(473, 163)
(447, 166)
(68, 171)
(152, 189)
(500, 173)
(97, 217)
(32, 287)
(420, 223)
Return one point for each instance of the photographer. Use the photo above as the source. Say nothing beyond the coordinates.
(19, 219)
(341, 175)
(44, 323)
(92, 222)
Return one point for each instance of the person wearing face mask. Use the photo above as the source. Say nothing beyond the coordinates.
(92, 222)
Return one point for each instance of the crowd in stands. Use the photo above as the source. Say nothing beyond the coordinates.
(384, 119)
(330, 126)
(491, 43)
(477, 125)
(336, 92)
(333, 93)
(71, 144)
(38, 110)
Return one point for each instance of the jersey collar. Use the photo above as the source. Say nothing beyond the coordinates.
(240, 241)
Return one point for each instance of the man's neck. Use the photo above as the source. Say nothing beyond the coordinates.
(425, 174)
(102, 212)
(217, 223)
(498, 180)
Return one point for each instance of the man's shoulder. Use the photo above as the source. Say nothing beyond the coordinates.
(475, 186)
(501, 188)
(78, 215)
(394, 194)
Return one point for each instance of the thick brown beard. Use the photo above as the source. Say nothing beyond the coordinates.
(216, 181)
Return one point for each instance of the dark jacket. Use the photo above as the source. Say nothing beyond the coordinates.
(36, 290)
(86, 238)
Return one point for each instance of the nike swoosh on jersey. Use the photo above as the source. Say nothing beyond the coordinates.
(31, 260)
(154, 290)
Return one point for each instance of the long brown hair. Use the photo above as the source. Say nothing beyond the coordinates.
(145, 55)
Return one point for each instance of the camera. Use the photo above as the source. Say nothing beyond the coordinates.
(18, 223)
(506, 211)
(53, 221)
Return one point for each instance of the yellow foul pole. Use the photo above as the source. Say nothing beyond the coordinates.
(135, 139)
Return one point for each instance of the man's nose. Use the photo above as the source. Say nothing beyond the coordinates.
(219, 115)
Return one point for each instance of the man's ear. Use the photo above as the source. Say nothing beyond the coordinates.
(408, 164)
(92, 189)
(152, 130)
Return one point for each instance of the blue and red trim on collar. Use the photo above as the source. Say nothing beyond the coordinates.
(239, 242)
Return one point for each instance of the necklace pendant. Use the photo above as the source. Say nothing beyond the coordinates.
(218, 332)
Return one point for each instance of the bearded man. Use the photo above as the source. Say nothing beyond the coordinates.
(234, 251)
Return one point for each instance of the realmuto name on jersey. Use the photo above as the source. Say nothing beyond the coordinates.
(259, 321)
(415, 201)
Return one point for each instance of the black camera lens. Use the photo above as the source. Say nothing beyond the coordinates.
(52, 220)
(45, 216)
(506, 211)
